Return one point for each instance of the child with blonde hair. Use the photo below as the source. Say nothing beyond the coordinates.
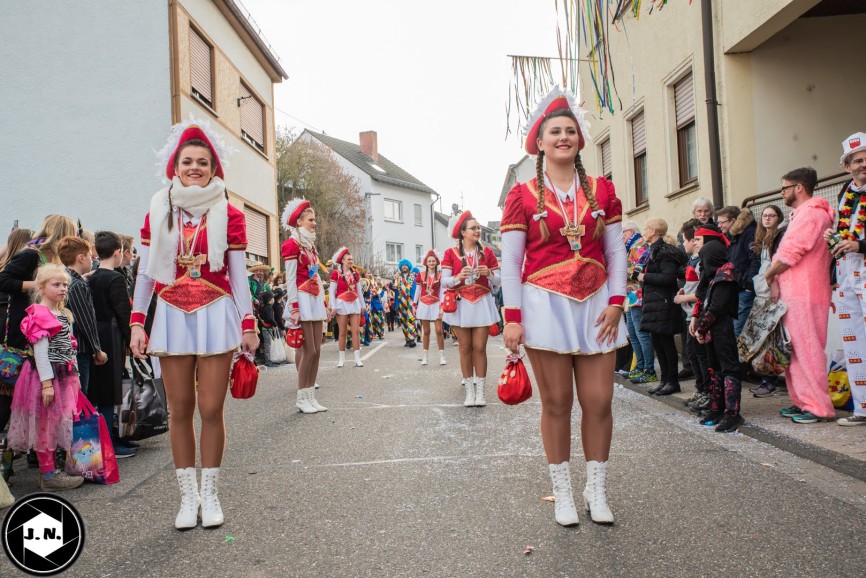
(46, 393)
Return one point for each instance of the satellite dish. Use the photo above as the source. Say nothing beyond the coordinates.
(455, 209)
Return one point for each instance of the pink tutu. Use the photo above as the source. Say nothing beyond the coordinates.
(34, 426)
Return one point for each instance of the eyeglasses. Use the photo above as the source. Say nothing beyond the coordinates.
(725, 222)
(473, 228)
(782, 190)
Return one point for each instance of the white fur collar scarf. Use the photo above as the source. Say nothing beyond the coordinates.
(197, 201)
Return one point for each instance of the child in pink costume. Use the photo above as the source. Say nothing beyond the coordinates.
(805, 289)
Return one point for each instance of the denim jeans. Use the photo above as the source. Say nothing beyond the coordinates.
(84, 361)
(747, 299)
(641, 341)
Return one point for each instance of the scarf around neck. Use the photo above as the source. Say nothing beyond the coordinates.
(196, 201)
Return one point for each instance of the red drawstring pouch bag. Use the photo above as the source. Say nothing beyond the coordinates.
(245, 375)
(494, 330)
(449, 301)
(514, 384)
(295, 337)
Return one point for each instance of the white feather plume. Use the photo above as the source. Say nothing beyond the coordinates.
(557, 92)
(223, 151)
(337, 252)
(288, 210)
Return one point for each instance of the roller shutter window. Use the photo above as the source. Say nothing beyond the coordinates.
(606, 160)
(257, 234)
(638, 141)
(252, 119)
(201, 70)
(684, 105)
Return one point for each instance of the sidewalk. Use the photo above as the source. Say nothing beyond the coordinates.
(840, 448)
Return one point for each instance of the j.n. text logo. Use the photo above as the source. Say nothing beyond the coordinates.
(42, 534)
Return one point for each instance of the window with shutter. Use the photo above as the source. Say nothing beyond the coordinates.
(606, 160)
(201, 67)
(638, 142)
(684, 108)
(257, 234)
(252, 119)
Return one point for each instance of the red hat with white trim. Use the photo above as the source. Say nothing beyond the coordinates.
(431, 253)
(293, 211)
(558, 98)
(184, 132)
(457, 223)
(853, 144)
(338, 256)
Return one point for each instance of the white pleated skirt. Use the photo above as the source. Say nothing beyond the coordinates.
(211, 330)
(480, 314)
(427, 312)
(554, 323)
(344, 308)
(311, 308)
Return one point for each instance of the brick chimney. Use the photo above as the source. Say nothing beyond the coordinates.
(370, 145)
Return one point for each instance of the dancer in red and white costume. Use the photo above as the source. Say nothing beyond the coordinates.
(305, 297)
(564, 283)
(347, 303)
(427, 310)
(472, 271)
(193, 244)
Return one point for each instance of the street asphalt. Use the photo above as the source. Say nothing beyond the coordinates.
(399, 479)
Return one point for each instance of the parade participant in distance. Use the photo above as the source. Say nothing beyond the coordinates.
(305, 297)
(563, 231)
(404, 287)
(427, 290)
(193, 242)
(347, 303)
(473, 272)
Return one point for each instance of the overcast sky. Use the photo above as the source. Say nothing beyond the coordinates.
(430, 78)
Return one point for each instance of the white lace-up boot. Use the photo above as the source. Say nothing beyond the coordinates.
(187, 517)
(341, 361)
(424, 357)
(304, 404)
(469, 384)
(594, 496)
(442, 357)
(311, 398)
(211, 512)
(479, 391)
(358, 362)
(565, 512)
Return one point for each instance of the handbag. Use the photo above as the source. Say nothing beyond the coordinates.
(295, 337)
(10, 357)
(494, 330)
(774, 356)
(276, 352)
(514, 384)
(449, 301)
(91, 455)
(143, 412)
(245, 375)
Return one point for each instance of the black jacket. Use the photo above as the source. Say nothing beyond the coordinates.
(660, 313)
(741, 253)
(21, 267)
(112, 307)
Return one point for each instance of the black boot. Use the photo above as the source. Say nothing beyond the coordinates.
(669, 388)
(730, 423)
(662, 384)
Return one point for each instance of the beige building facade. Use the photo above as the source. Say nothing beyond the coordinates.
(786, 96)
(224, 71)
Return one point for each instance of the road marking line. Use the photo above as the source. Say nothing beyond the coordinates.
(374, 350)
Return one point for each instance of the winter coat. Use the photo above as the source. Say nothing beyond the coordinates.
(741, 253)
(660, 313)
(21, 267)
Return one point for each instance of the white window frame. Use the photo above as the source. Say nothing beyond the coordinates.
(399, 205)
(393, 252)
(419, 215)
(419, 253)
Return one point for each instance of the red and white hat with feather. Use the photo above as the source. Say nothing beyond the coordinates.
(558, 98)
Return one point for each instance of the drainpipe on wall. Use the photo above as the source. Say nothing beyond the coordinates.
(433, 221)
(712, 103)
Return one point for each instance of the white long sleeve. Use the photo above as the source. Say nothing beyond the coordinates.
(40, 357)
(238, 282)
(143, 283)
(291, 266)
(448, 281)
(614, 260)
(513, 253)
(332, 293)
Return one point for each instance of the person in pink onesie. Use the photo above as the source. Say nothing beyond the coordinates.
(799, 276)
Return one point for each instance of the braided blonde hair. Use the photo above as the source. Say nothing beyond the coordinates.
(590, 196)
(539, 177)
